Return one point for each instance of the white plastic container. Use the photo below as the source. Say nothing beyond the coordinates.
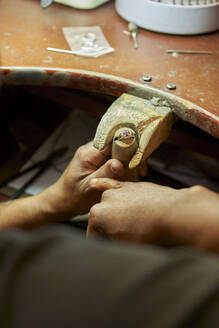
(167, 17)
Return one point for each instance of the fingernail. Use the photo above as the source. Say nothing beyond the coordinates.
(116, 185)
(93, 182)
(113, 168)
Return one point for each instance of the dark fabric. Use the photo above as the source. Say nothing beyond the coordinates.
(54, 277)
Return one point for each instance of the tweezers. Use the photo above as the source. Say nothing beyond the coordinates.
(41, 165)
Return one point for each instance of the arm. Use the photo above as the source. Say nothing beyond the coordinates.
(71, 195)
(145, 212)
(28, 212)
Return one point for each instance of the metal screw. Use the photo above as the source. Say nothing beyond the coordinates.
(146, 78)
(171, 86)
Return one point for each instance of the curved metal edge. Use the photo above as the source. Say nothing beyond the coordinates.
(110, 85)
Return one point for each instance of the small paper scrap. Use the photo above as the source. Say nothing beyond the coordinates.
(87, 41)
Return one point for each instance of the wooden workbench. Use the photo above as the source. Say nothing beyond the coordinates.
(27, 30)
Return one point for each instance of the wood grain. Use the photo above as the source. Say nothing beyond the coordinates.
(27, 30)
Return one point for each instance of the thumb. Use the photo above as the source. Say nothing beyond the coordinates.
(103, 184)
(112, 169)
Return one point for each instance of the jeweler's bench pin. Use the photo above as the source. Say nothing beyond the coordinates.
(46, 3)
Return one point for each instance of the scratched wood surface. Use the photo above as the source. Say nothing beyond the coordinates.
(27, 30)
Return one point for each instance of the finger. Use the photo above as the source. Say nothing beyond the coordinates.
(143, 169)
(103, 184)
(107, 151)
(93, 157)
(101, 156)
(97, 222)
(94, 232)
(113, 169)
(136, 159)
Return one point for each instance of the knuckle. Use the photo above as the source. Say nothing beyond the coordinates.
(107, 194)
(198, 189)
(96, 222)
(94, 213)
(81, 151)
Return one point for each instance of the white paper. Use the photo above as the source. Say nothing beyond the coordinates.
(78, 41)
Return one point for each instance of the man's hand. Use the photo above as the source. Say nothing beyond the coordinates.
(149, 213)
(73, 194)
(133, 211)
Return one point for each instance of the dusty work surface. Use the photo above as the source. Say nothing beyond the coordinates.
(27, 30)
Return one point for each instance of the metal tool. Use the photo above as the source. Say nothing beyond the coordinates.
(63, 51)
(133, 29)
(87, 52)
(190, 52)
(41, 166)
(46, 3)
